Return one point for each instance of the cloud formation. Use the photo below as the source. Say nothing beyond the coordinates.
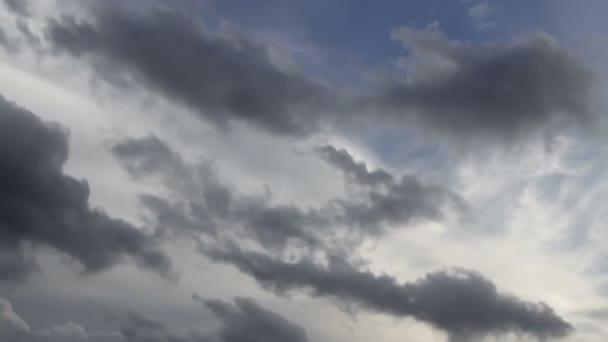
(41, 206)
(169, 52)
(19, 7)
(243, 320)
(501, 91)
(246, 320)
(205, 203)
(460, 302)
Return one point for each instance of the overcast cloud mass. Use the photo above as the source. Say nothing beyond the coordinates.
(260, 171)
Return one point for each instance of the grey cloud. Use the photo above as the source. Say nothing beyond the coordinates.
(20, 7)
(501, 91)
(42, 206)
(137, 328)
(403, 201)
(246, 320)
(460, 302)
(390, 200)
(14, 329)
(356, 171)
(16, 263)
(167, 51)
(203, 203)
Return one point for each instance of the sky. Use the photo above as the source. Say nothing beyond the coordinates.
(261, 171)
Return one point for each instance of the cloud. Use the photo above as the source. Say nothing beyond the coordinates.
(246, 320)
(13, 328)
(20, 7)
(355, 171)
(11, 325)
(498, 92)
(41, 206)
(205, 203)
(501, 92)
(460, 302)
(167, 51)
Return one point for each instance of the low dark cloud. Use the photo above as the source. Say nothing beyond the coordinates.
(41, 206)
(498, 91)
(246, 320)
(167, 51)
(460, 302)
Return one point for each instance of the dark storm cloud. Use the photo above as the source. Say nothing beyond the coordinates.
(246, 320)
(504, 91)
(42, 206)
(201, 203)
(460, 302)
(167, 51)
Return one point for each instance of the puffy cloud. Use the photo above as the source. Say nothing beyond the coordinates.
(42, 206)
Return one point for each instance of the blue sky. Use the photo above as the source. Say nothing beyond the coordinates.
(361, 28)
